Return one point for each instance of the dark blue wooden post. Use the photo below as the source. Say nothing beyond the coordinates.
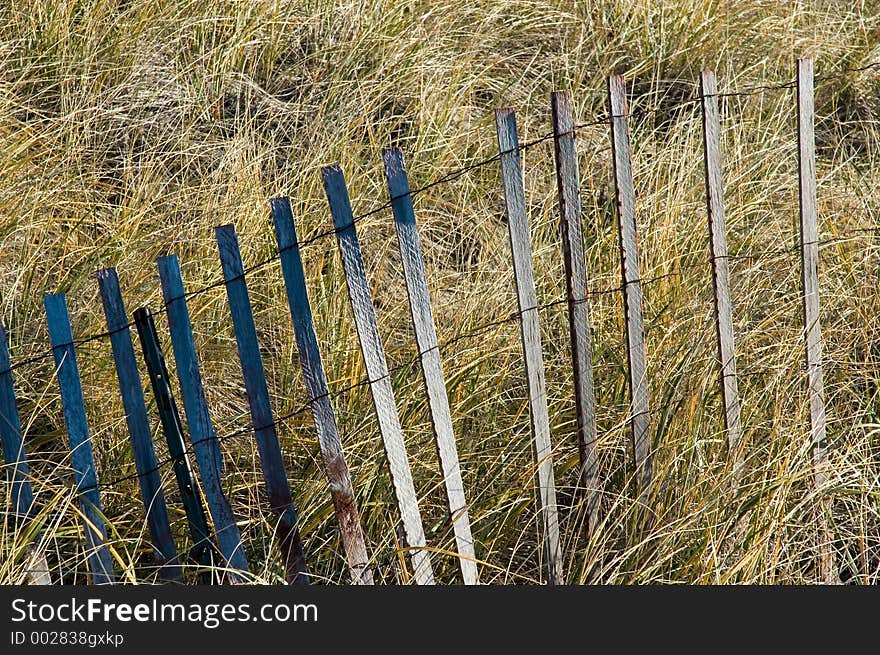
(67, 372)
(17, 471)
(195, 406)
(272, 463)
(202, 549)
(329, 440)
(139, 433)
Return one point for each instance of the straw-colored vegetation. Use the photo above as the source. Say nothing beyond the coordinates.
(130, 129)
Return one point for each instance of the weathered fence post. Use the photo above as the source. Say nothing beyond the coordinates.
(202, 433)
(274, 473)
(82, 460)
(341, 491)
(377, 370)
(571, 228)
(17, 471)
(632, 286)
(720, 269)
(810, 278)
(202, 548)
(149, 480)
(429, 353)
(517, 222)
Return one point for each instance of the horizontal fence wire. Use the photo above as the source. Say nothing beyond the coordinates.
(599, 120)
(477, 332)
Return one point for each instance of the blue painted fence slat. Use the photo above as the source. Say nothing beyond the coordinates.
(341, 490)
(164, 551)
(377, 370)
(17, 471)
(274, 473)
(67, 372)
(195, 406)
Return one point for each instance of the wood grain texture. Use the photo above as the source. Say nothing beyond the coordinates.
(139, 434)
(517, 222)
(809, 219)
(341, 490)
(377, 370)
(202, 433)
(271, 461)
(632, 286)
(201, 549)
(429, 353)
(82, 459)
(18, 473)
(720, 271)
(571, 229)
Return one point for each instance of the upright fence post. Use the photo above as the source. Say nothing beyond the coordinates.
(89, 501)
(202, 549)
(720, 269)
(517, 222)
(632, 286)
(341, 490)
(812, 330)
(202, 433)
(164, 551)
(17, 471)
(274, 473)
(571, 228)
(429, 353)
(377, 370)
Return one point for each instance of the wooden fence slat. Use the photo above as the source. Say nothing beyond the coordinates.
(89, 501)
(632, 286)
(271, 460)
(341, 490)
(202, 548)
(377, 370)
(571, 228)
(17, 471)
(720, 269)
(517, 222)
(164, 551)
(195, 406)
(429, 352)
(809, 220)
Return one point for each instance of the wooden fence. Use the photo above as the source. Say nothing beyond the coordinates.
(218, 542)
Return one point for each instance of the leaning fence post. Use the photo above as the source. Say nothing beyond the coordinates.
(810, 277)
(720, 269)
(202, 433)
(274, 473)
(17, 470)
(164, 551)
(67, 372)
(429, 353)
(202, 548)
(517, 222)
(341, 490)
(571, 227)
(377, 370)
(632, 286)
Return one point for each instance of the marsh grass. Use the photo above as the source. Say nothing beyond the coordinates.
(128, 130)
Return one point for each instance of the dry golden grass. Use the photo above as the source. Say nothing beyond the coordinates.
(130, 129)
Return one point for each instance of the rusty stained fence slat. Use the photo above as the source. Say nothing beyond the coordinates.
(377, 370)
